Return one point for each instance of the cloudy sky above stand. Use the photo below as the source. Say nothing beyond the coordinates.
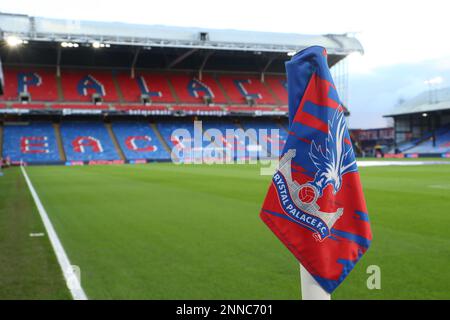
(405, 42)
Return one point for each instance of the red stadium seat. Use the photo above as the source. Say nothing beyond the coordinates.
(155, 85)
(192, 90)
(239, 86)
(38, 82)
(279, 87)
(80, 85)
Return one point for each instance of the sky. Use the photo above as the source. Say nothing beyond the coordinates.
(405, 42)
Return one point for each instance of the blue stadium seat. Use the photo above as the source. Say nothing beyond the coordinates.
(273, 150)
(442, 144)
(186, 150)
(138, 141)
(241, 147)
(31, 143)
(86, 141)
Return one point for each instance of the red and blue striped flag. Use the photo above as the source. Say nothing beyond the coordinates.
(315, 204)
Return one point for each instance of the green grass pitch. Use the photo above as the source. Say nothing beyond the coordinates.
(162, 231)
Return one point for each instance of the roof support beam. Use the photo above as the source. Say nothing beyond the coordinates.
(200, 70)
(133, 64)
(269, 62)
(181, 58)
(58, 61)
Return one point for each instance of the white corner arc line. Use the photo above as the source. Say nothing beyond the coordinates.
(69, 275)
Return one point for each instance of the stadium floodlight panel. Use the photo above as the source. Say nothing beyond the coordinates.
(14, 41)
(98, 44)
(65, 44)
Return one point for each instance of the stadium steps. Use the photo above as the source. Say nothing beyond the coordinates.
(62, 153)
(115, 142)
(265, 84)
(59, 89)
(173, 91)
(222, 89)
(160, 137)
(117, 87)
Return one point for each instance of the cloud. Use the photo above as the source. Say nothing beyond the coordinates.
(374, 93)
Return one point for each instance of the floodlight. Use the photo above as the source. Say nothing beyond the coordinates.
(13, 41)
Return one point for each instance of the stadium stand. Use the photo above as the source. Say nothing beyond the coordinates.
(272, 149)
(92, 88)
(82, 85)
(279, 87)
(441, 145)
(33, 142)
(236, 147)
(242, 87)
(183, 146)
(192, 90)
(154, 85)
(138, 141)
(422, 124)
(39, 83)
(87, 141)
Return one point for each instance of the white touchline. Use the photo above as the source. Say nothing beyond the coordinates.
(69, 275)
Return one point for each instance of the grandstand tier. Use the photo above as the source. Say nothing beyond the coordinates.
(91, 141)
(87, 141)
(119, 86)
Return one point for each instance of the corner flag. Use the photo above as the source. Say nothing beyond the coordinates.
(315, 203)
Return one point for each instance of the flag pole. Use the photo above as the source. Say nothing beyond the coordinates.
(311, 290)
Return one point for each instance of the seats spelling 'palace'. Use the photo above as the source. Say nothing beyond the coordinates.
(80, 85)
(138, 141)
(192, 90)
(34, 142)
(86, 141)
(118, 86)
(239, 88)
(155, 86)
(171, 92)
(39, 83)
